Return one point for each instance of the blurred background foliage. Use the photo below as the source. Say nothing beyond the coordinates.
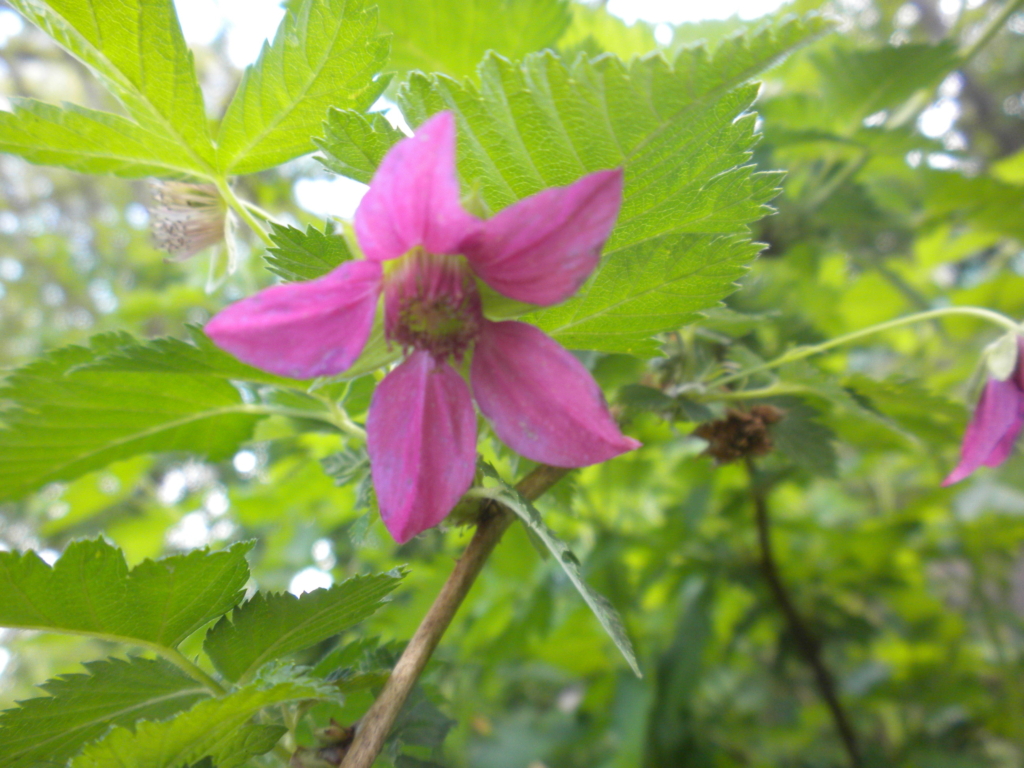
(904, 191)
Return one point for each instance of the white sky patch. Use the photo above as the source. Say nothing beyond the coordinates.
(939, 118)
(309, 579)
(330, 197)
(245, 462)
(247, 23)
(10, 25)
(681, 11)
(5, 659)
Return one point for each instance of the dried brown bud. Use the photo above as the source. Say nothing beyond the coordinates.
(334, 742)
(186, 217)
(740, 433)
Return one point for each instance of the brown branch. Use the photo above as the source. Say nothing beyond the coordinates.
(807, 644)
(494, 521)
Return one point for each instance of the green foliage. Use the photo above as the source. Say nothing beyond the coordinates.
(90, 590)
(136, 48)
(79, 708)
(305, 255)
(88, 141)
(68, 419)
(354, 144)
(217, 728)
(682, 135)
(270, 626)
(570, 564)
(326, 53)
(451, 36)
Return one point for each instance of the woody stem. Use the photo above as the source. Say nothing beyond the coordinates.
(376, 724)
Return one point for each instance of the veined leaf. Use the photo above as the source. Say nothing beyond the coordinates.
(603, 610)
(171, 355)
(683, 136)
(47, 730)
(326, 53)
(91, 591)
(216, 728)
(68, 419)
(137, 49)
(450, 36)
(354, 143)
(88, 141)
(271, 625)
(305, 255)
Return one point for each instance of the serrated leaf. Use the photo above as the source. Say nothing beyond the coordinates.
(354, 144)
(683, 136)
(216, 728)
(272, 625)
(450, 36)
(66, 419)
(606, 614)
(137, 49)
(326, 53)
(88, 141)
(347, 466)
(299, 255)
(174, 356)
(47, 730)
(90, 590)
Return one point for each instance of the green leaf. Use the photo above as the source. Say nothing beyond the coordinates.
(859, 82)
(137, 49)
(450, 36)
(171, 355)
(595, 30)
(326, 53)
(354, 144)
(271, 625)
(683, 135)
(603, 610)
(801, 437)
(79, 708)
(90, 591)
(217, 728)
(299, 255)
(67, 419)
(347, 466)
(88, 141)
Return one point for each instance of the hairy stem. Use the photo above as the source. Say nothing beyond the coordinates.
(807, 644)
(242, 209)
(179, 659)
(375, 726)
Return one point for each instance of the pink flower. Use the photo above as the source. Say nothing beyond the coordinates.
(996, 423)
(426, 254)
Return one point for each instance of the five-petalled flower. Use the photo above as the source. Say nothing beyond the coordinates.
(996, 422)
(427, 255)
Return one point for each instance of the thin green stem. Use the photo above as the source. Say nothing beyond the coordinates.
(179, 659)
(242, 210)
(265, 215)
(990, 31)
(799, 353)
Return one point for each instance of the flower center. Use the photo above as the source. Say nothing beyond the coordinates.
(431, 302)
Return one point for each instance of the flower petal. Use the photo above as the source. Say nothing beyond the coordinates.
(544, 247)
(993, 428)
(421, 437)
(541, 400)
(302, 330)
(414, 197)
